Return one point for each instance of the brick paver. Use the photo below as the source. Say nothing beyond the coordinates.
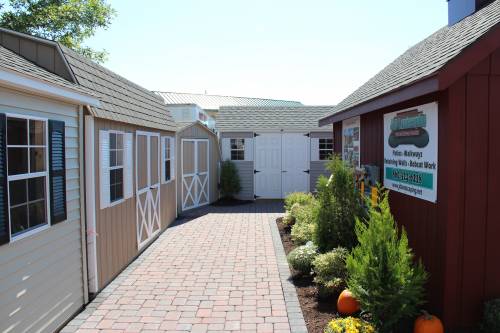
(223, 270)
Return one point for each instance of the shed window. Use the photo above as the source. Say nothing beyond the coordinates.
(27, 160)
(238, 149)
(325, 148)
(167, 162)
(115, 166)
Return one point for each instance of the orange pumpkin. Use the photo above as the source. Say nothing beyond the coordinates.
(347, 304)
(427, 323)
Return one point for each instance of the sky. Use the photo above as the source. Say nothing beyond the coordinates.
(316, 51)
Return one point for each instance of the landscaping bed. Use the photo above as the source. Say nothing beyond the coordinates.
(317, 313)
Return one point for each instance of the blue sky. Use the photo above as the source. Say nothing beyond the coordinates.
(315, 51)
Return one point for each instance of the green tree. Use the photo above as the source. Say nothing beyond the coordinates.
(69, 22)
(229, 179)
(382, 274)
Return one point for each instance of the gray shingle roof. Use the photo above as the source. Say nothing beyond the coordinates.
(121, 99)
(427, 57)
(214, 102)
(17, 63)
(248, 119)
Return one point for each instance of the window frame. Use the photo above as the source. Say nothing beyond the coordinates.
(122, 199)
(29, 175)
(330, 151)
(242, 150)
(167, 147)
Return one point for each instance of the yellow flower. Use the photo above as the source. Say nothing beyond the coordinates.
(349, 325)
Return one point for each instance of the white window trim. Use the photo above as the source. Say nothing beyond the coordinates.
(164, 158)
(119, 201)
(31, 175)
(320, 149)
(242, 150)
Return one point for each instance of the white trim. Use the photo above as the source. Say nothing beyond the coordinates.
(163, 158)
(29, 175)
(90, 190)
(21, 81)
(195, 197)
(83, 213)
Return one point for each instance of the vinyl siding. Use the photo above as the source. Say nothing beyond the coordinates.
(317, 168)
(116, 226)
(41, 276)
(199, 132)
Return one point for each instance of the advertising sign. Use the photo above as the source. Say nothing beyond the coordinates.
(411, 151)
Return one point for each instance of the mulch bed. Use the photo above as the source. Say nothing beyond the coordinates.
(317, 313)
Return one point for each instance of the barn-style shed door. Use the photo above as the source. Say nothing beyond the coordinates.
(148, 186)
(195, 173)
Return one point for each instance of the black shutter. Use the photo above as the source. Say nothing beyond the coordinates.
(4, 205)
(57, 171)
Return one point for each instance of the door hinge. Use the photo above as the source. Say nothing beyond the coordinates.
(255, 196)
(307, 134)
(255, 171)
(255, 135)
(307, 171)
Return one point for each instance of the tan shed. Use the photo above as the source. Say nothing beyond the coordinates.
(130, 180)
(198, 166)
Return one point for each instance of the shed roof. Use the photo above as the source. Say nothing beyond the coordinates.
(214, 102)
(426, 58)
(17, 63)
(121, 99)
(181, 126)
(298, 118)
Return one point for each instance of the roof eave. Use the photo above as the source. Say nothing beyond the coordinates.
(420, 88)
(27, 83)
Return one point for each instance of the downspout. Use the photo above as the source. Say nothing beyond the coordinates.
(82, 204)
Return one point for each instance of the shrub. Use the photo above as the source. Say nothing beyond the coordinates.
(349, 325)
(288, 219)
(301, 257)
(300, 198)
(331, 272)
(382, 275)
(303, 229)
(339, 205)
(229, 179)
(491, 317)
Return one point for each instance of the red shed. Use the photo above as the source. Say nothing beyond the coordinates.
(431, 122)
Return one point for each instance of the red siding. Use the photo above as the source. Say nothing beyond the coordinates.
(458, 237)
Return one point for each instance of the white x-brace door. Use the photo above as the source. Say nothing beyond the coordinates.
(147, 179)
(195, 172)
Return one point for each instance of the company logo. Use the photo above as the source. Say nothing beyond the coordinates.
(408, 128)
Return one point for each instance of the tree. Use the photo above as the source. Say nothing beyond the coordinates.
(382, 273)
(69, 22)
(229, 180)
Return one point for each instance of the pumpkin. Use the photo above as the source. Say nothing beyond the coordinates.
(347, 304)
(427, 323)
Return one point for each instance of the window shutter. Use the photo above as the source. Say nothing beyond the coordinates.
(172, 158)
(4, 206)
(104, 168)
(226, 149)
(57, 171)
(162, 156)
(249, 149)
(314, 149)
(128, 151)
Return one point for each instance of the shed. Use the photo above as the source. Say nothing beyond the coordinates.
(429, 121)
(198, 165)
(42, 220)
(130, 178)
(277, 150)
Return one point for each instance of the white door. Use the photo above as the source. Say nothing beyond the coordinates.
(195, 173)
(268, 166)
(295, 162)
(147, 179)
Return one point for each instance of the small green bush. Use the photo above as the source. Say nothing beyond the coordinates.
(303, 229)
(288, 219)
(331, 272)
(301, 258)
(339, 205)
(300, 198)
(229, 180)
(295, 211)
(491, 317)
(382, 274)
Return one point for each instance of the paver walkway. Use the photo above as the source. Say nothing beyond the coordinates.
(223, 271)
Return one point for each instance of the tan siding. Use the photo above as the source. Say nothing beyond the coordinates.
(41, 277)
(116, 226)
(199, 132)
